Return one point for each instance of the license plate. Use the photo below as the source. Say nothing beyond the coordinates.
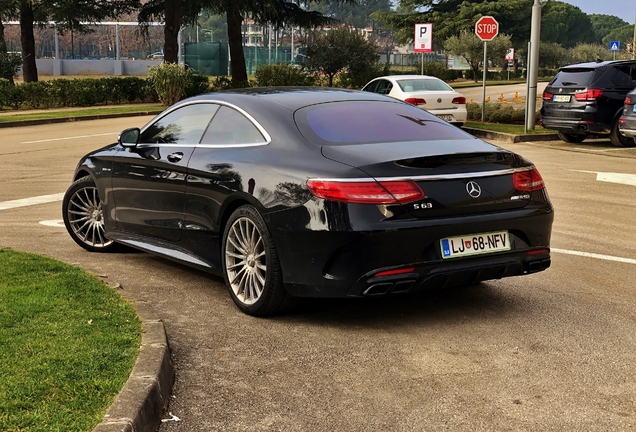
(475, 244)
(634, 108)
(446, 117)
(561, 98)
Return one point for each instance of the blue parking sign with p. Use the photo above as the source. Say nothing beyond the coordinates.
(615, 45)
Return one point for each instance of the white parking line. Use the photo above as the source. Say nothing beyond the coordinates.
(593, 255)
(602, 150)
(68, 138)
(42, 199)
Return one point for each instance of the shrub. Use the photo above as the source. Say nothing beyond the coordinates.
(170, 81)
(226, 83)
(282, 74)
(199, 84)
(357, 77)
(11, 96)
(497, 113)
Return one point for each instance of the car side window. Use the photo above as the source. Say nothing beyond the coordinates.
(184, 125)
(384, 87)
(622, 76)
(371, 87)
(232, 127)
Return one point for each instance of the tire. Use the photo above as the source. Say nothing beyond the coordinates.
(571, 138)
(84, 217)
(618, 139)
(250, 265)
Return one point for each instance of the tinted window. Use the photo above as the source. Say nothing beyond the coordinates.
(574, 77)
(231, 127)
(622, 76)
(384, 87)
(371, 86)
(371, 121)
(182, 126)
(413, 85)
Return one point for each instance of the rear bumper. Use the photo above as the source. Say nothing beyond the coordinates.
(343, 263)
(627, 126)
(575, 126)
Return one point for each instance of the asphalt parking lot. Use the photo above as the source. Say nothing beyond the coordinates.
(549, 351)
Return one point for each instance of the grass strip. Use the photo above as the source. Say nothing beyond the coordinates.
(68, 343)
(45, 115)
(508, 128)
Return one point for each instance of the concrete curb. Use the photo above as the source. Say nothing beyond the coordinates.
(144, 397)
(19, 123)
(500, 136)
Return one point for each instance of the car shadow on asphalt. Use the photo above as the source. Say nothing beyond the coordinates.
(475, 302)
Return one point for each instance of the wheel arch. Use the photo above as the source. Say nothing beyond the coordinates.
(231, 204)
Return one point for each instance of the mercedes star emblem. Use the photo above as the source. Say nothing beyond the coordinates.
(473, 189)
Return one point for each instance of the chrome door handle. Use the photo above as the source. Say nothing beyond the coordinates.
(175, 157)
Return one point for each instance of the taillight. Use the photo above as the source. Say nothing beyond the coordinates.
(547, 96)
(415, 101)
(460, 100)
(395, 272)
(366, 192)
(627, 102)
(588, 95)
(528, 180)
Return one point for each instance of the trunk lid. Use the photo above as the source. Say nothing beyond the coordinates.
(458, 177)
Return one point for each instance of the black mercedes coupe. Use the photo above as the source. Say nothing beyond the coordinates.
(313, 192)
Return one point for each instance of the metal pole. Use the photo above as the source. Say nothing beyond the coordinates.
(483, 95)
(422, 64)
(634, 41)
(535, 33)
(57, 45)
(117, 40)
(525, 124)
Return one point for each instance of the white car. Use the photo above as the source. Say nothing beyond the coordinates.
(426, 92)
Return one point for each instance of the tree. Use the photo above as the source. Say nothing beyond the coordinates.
(73, 15)
(589, 52)
(340, 50)
(623, 34)
(450, 17)
(552, 55)
(357, 15)
(9, 62)
(602, 25)
(278, 12)
(565, 24)
(471, 48)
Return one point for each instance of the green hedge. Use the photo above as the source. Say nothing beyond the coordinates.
(497, 113)
(87, 92)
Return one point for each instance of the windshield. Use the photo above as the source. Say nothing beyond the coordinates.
(358, 122)
(574, 77)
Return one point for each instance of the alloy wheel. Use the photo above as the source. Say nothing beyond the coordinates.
(245, 261)
(86, 217)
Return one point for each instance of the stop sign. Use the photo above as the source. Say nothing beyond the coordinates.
(487, 28)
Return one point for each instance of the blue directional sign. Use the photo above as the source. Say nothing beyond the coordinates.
(615, 45)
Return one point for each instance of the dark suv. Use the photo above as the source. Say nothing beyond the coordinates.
(587, 99)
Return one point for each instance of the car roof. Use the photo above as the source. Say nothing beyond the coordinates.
(401, 77)
(292, 98)
(598, 64)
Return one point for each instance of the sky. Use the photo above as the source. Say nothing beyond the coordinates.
(624, 9)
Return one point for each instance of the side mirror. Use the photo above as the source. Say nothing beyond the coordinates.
(129, 138)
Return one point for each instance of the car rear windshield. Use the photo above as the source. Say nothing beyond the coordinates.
(415, 85)
(363, 122)
(576, 77)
